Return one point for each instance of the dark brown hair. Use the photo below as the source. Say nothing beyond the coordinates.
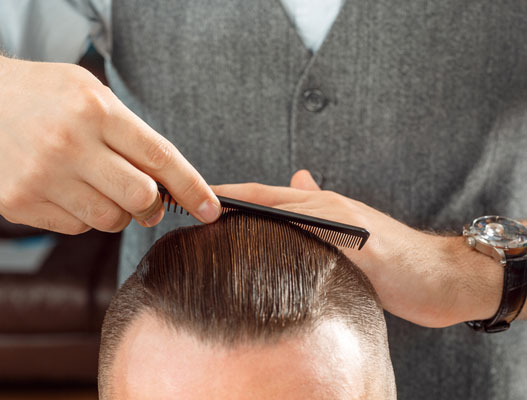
(244, 278)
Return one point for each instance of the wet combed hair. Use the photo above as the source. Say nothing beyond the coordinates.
(243, 279)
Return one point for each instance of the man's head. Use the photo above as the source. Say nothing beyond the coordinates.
(245, 308)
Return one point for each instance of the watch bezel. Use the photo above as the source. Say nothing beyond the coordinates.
(510, 246)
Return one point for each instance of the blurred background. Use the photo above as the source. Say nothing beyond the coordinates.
(54, 290)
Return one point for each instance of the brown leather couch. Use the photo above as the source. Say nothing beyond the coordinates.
(50, 319)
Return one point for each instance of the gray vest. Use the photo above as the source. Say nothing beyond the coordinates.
(415, 107)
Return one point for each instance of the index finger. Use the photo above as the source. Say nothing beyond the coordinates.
(265, 195)
(133, 139)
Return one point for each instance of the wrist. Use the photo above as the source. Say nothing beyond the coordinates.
(479, 282)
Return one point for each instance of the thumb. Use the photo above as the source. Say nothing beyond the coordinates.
(303, 180)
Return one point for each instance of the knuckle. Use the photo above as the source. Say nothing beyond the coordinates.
(79, 76)
(192, 187)
(108, 218)
(77, 228)
(140, 198)
(335, 197)
(331, 194)
(14, 199)
(47, 224)
(159, 155)
(91, 105)
(56, 143)
(76, 72)
(119, 179)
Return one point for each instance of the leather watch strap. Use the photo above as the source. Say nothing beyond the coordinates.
(512, 299)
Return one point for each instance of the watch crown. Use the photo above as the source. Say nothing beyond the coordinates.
(471, 242)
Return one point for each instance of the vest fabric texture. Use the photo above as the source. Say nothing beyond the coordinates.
(417, 108)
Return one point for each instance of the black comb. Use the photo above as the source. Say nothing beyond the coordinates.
(338, 234)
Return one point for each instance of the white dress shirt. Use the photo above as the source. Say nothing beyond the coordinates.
(61, 30)
(313, 19)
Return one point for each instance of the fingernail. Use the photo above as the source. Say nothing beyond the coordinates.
(155, 219)
(209, 211)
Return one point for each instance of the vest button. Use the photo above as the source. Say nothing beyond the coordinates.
(315, 100)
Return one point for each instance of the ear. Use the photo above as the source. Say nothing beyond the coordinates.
(303, 180)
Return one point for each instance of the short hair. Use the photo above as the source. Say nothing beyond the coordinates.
(244, 278)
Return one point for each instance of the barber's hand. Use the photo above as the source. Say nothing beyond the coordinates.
(73, 157)
(430, 280)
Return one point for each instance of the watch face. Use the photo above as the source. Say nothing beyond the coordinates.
(499, 232)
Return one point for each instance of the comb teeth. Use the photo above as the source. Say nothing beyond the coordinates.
(337, 234)
(167, 198)
(338, 239)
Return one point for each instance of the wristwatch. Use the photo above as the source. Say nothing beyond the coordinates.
(505, 240)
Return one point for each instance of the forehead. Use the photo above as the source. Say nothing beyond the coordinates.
(156, 362)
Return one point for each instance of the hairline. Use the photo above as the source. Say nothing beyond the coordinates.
(289, 333)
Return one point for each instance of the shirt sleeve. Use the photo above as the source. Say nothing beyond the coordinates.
(54, 30)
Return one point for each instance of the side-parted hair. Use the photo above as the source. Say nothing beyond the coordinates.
(244, 279)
